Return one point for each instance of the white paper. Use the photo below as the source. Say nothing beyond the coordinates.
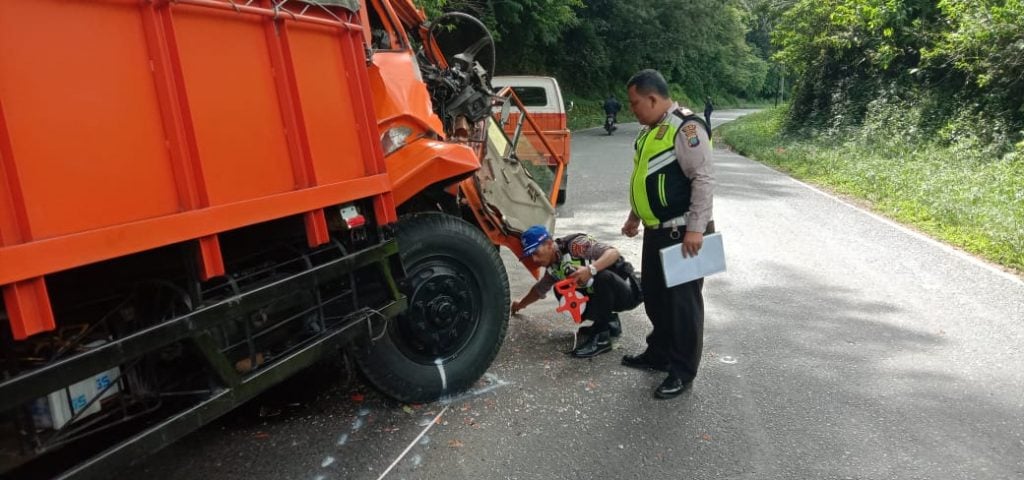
(709, 260)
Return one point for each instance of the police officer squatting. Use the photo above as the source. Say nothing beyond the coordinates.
(600, 273)
(671, 190)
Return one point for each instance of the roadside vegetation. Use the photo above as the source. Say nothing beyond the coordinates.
(959, 195)
(915, 106)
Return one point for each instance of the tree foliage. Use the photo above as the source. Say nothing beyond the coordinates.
(594, 46)
(984, 43)
(699, 45)
(958, 63)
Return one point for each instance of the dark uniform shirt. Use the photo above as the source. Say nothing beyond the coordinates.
(583, 247)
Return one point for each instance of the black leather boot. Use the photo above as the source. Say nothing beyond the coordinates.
(594, 346)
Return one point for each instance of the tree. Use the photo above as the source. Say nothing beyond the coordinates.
(954, 61)
(594, 46)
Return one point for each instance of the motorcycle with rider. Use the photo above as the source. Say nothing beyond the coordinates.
(611, 110)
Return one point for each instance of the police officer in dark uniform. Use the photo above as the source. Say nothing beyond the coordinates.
(671, 195)
(600, 272)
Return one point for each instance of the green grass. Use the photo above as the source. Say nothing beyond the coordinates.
(954, 194)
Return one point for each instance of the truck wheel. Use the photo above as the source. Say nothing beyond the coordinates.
(458, 312)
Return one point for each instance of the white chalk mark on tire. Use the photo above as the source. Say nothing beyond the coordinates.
(444, 379)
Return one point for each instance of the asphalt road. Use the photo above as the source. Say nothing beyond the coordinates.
(837, 345)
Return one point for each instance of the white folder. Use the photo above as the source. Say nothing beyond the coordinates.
(708, 261)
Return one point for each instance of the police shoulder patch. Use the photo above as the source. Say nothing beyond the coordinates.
(581, 245)
(690, 130)
(662, 130)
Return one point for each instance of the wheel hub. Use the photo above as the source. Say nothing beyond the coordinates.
(442, 316)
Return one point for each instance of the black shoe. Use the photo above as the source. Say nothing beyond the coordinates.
(594, 346)
(671, 387)
(644, 362)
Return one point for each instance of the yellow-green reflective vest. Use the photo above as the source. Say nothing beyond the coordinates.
(658, 189)
(567, 264)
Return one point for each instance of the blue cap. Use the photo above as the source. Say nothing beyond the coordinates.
(533, 238)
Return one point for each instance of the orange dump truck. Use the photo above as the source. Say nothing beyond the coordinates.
(199, 198)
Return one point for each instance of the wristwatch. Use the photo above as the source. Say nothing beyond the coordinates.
(593, 269)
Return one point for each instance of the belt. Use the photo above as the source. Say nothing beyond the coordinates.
(670, 223)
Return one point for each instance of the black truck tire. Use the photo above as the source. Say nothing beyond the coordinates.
(458, 312)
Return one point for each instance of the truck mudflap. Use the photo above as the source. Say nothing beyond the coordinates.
(237, 366)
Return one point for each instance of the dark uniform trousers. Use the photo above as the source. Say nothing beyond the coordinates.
(677, 313)
(612, 293)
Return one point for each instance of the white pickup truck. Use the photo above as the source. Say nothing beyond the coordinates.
(542, 98)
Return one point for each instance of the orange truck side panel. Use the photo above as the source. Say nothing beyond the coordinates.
(234, 106)
(82, 113)
(126, 125)
(328, 114)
